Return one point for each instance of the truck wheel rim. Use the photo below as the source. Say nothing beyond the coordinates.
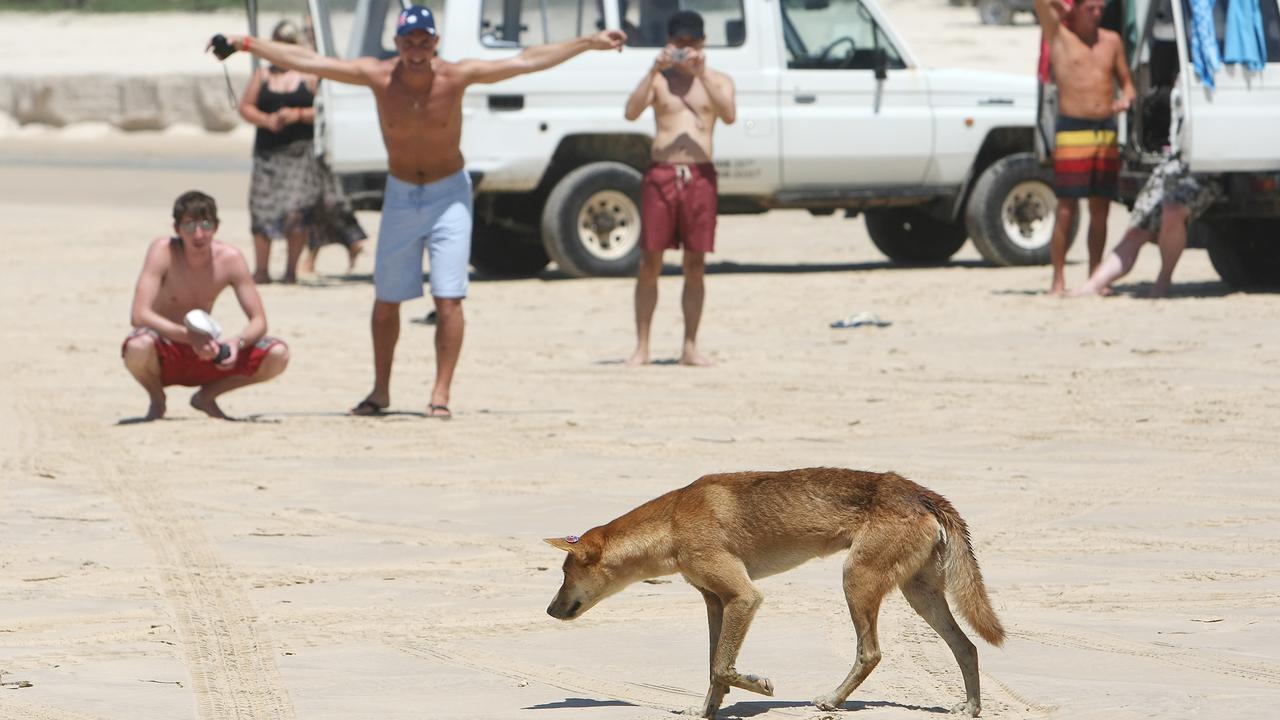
(609, 225)
(1026, 215)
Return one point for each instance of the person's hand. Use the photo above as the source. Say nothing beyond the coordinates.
(230, 361)
(695, 61)
(290, 115)
(1121, 104)
(275, 121)
(205, 347)
(664, 61)
(608, 40)
(223, 46)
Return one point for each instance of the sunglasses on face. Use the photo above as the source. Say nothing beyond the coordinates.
(191, 226)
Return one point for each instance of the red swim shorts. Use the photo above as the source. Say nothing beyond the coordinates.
(678, 207)
(179, 364)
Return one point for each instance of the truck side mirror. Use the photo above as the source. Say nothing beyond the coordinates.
(880, 63)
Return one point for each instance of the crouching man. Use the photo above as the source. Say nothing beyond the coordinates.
(185, 272)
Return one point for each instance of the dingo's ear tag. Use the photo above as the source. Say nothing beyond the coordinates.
(565, 543)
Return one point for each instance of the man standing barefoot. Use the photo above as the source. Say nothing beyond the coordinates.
(678, 197)
(427, 203)
(187, 272)
(1087, 62)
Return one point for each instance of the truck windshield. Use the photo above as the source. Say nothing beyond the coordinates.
(833, 35)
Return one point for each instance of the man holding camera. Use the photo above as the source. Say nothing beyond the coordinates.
(678, 195)
(427, 203)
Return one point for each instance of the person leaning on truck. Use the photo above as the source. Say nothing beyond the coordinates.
(678, 195)
(427, 202)
(1087, 62)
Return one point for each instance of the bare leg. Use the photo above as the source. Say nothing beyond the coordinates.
(353, 252)
(1173, 240)
(695, 270)
(261, 258)
(385, 326)
(1116, 264)
(1099, 209)
(205, 399)
(144, 364)
(646, 302)
(308, 264)
(450, 324)
(925, 593)
(297, 240)
(1061, 242)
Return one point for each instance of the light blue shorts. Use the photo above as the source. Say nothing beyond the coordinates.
(435, 217)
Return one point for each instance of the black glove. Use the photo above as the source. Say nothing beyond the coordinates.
(221, 48)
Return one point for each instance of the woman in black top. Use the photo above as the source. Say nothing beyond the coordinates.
(292, 195)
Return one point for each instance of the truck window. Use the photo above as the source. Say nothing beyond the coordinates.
(833, 35)
(521, 23)
(645, 21)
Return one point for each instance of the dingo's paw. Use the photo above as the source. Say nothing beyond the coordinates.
(830, 701)
(755, 684)
(970, 708)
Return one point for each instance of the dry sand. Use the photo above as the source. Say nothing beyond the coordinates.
(1115, 459)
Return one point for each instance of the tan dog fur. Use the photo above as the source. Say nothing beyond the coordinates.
(723, 531)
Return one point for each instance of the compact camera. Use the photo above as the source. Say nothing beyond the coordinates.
(221, 48)
(679, 55)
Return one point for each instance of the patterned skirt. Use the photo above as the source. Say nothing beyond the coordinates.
(287, 185)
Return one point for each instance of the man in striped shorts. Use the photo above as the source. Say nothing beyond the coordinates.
(1087, 63)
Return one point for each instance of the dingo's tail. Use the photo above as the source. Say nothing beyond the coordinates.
(963, 578)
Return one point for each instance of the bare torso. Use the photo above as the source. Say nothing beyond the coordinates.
(1085, 73)
(185, 286)
(685, 118)
(421, 125)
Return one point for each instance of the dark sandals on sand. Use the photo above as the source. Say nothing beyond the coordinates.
(367, 408)
(439, 412)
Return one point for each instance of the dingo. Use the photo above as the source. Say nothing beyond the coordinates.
(723, 531)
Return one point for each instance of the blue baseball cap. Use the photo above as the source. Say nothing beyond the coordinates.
(415, 17)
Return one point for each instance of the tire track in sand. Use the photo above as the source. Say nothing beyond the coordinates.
(232, 668)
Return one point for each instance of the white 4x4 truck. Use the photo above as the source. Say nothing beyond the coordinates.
(833, 114)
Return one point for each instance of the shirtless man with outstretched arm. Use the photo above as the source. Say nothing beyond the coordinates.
(1088, 63)
(427, 203)
(183, 272)
(678, 195)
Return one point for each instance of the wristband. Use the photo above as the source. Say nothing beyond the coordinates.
(245, 45)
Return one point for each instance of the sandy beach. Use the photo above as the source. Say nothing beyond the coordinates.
(1115, 460)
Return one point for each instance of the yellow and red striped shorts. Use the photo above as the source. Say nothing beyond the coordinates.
(1086, 159)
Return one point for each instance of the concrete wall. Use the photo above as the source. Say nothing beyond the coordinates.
(143, 102)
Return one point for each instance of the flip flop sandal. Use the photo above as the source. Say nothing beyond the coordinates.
(367, 408)
(439, 412)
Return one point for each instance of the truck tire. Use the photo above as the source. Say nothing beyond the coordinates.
(913, 237)
(591, 221)
(995, 12)
(1245, 253)
(1011, 211)
(499, 252)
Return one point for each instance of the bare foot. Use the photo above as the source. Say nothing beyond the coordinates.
(262, 278)
(1058, 289)
(207, 406)
(639, 357)
(289, 279)
(1159, 290)
(693, 358)
(1106, 291)
(156, 410)
(353, 252)
(439, 411)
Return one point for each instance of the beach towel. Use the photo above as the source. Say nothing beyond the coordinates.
(1204, 42)
(1245, 42)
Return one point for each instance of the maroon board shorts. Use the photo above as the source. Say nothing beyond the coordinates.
(179, 364)
(678, 207)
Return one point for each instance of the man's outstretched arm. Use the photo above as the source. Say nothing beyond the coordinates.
(539, 57)
(1051, 14)
(306, 60)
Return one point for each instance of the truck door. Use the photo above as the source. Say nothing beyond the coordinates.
(841, 126)
(1232, 127)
